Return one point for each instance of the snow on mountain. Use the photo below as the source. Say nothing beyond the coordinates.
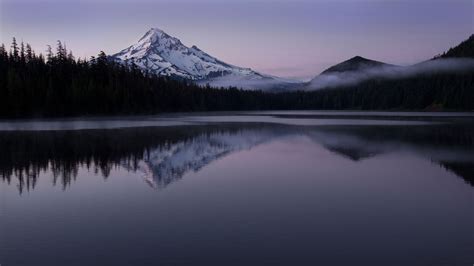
(165, 165)
(161, 54)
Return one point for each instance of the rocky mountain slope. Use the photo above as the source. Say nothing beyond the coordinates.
(161, 54)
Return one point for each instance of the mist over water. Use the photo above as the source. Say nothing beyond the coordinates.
(350, 78)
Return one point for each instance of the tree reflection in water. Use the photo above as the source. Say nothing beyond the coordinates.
(164, 154)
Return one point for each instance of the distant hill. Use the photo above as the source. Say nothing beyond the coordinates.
(464, 49)
(347, 73)
(354, 64)
(444, 83)
(356, 70)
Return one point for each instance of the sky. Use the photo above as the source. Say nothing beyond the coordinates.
(292, 38)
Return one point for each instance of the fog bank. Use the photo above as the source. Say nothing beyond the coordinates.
(350, 78)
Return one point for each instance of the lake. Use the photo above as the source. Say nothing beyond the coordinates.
(239, 188)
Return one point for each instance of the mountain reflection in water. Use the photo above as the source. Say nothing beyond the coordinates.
(163, 155)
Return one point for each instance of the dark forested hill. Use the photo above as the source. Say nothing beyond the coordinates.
(353, 64)
(443, 83)
(464, 49)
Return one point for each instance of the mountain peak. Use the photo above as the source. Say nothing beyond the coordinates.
(162, 54)
(154, 35)
(156, 30)
(353, 64)
(358, 58)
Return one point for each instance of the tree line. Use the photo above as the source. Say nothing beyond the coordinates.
(58, 84)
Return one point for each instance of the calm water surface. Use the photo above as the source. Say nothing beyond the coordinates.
(254, 188)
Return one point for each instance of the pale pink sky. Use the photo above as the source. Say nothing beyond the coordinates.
(284, 38)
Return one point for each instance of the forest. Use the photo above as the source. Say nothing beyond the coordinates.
(59, 85)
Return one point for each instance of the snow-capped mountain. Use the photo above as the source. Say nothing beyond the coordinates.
(169, 163)
(161, 54)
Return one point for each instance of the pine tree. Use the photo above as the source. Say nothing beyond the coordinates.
(15, 49)
(22, 52)
(101, 58)
(3, 52)
(60, 51)
(49, 54)
(70, 56)
(29, 53)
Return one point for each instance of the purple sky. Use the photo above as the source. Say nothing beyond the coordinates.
(284, 38)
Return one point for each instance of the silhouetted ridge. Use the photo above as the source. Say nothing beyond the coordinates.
(465, 170)
(464, 49)
(353, 64)
(352, 153)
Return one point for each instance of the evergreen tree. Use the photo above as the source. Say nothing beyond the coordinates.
(22, 52)
(60, 51)
(15, 49)
(49, 54)
(70, 56)
(3, 52)
(29, 53)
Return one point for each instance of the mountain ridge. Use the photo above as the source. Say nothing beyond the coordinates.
(159, 53)
(353, 64)
(464, 49)
(359, 69)
(162, 54)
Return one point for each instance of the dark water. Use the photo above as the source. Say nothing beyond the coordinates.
(293, 188)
